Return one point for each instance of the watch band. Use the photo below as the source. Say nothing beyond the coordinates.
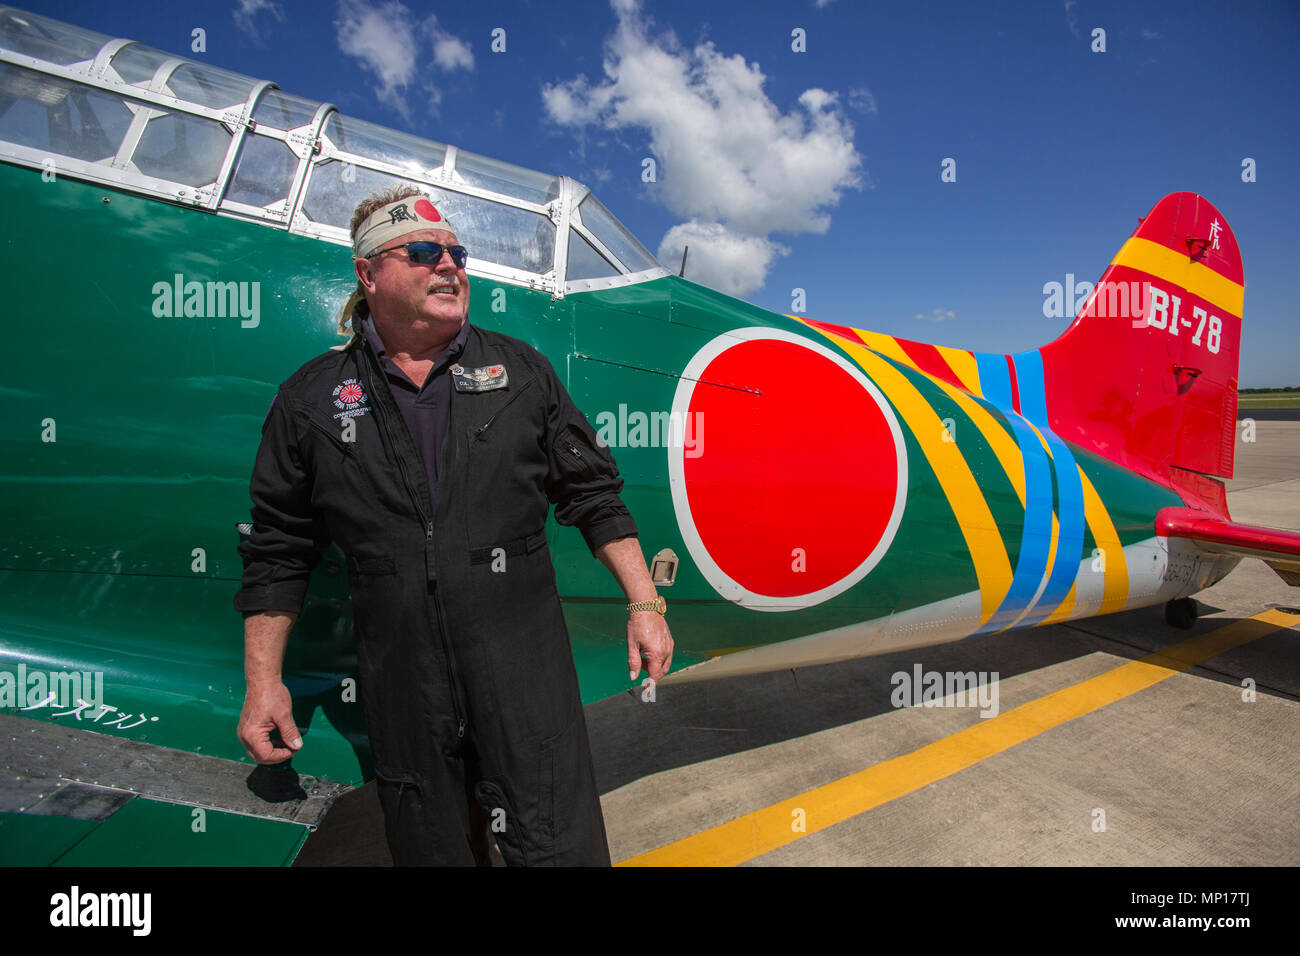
(658, 604)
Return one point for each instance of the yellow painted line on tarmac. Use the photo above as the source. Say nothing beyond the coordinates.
(770, 828)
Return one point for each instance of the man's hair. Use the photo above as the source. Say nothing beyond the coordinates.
(382, 197)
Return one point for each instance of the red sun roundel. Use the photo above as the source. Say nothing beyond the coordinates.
(426, 210)
(791, 479)
(348, 394)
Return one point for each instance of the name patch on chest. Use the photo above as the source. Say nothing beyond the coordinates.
(479, 379)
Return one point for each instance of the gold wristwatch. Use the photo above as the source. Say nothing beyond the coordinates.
(658, 604)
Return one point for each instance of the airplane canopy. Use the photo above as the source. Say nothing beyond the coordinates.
(121, 113)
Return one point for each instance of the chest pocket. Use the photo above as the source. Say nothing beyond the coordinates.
(347, 472)
(496, 411)
(335, 437)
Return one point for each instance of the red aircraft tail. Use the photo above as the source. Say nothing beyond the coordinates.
(1147, 374)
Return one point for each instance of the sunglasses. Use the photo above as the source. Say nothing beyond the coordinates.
(429, 253)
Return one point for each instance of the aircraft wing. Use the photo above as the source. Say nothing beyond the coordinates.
(72, 797)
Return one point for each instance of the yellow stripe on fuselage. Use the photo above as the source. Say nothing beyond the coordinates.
(961, 362)
(886, 346)
(1200, 280)
(974, 519)
(1115, 591)
(964, 366)
(1003, 445)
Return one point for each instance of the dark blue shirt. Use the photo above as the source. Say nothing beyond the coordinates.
(426, 408)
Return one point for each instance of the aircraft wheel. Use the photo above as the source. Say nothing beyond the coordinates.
(1181, 613)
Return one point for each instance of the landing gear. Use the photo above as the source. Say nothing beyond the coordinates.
(1181, 613)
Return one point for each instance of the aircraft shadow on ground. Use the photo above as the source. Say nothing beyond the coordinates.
(696, 722)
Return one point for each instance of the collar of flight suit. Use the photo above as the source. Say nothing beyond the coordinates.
(454, 348)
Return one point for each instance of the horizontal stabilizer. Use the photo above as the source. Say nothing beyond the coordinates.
(1279, 549)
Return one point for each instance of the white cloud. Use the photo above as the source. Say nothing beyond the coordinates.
(863, 100)
(731, 262)
(1072, 18)
(247, 10)
(936, 315)
(822, 3)
(387, 40)
(575, 102)
(449, 52)
(729, 160)
(373, 36)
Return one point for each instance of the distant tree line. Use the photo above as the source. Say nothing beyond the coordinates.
(1249, 391)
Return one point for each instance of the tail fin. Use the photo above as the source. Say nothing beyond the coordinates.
(1147, 374)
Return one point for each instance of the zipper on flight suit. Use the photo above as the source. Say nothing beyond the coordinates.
(477, 432)
(457, 709)
(568, 449)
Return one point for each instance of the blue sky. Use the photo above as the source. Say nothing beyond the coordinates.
(821, 169)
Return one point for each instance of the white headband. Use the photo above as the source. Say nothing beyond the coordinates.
(395, 220)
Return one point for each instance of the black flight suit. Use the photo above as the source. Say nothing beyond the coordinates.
(471, 697)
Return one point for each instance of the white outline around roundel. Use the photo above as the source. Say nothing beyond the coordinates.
(719, 579)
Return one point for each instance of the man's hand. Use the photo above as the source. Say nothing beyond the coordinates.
(268, 708)
(267, 704)
(647, 631)
(648, 636)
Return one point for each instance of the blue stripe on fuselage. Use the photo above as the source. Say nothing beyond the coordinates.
(1069, 489)
(1036, 534)
(995, 379)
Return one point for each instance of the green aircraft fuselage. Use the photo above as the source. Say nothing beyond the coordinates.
(132, 428)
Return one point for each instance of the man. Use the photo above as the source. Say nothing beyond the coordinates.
(430, 450)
